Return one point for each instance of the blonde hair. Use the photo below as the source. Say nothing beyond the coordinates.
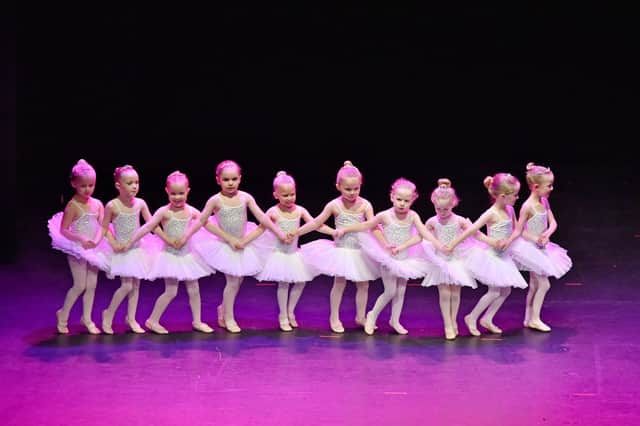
(348, 170)
(176, 176)
(119, 171)
(444, 191)
(405, 183)
(282, 178)
(501, 183)
(536, 174)
(227, 163)
(82, 169)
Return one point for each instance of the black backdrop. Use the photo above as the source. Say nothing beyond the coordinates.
(420, 91)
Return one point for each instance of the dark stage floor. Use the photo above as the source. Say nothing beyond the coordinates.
(583, 372)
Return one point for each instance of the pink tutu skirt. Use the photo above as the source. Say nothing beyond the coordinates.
(183, 264)
(456, 271)
(281, 266)
(350, 263)
(551, 260)
(137, 261)
(99, 256)
(220, 256)
(494, 268)
(410, 263)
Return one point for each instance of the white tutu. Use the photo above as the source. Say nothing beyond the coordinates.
(182, 264)
(137, 261)
(456, 271)
(98, 256)
(494, 268)
(281, 266)
(410, 263)
(350, 263)
(552, 260)
(222, 257)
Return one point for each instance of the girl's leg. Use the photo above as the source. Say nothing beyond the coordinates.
(229, 294)
(170, 292)
(471, 319)
(78, 270)
(362, 295)
(283, 298)
(132, 307)
(396, 307)
(533, 285)
(335, 299)
(487, 319)
(193, 290)
(536, 307)
(294, 297)
(87, 299)
(455, 306)
(126, 285)
(390, 283)
(444, 296)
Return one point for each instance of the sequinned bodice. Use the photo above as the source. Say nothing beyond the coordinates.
(538, 223)
(288, 225)
(397, 233)
(86, 225)
(125, 224)
(445, 233)
(174, 228)
(344, 219)
(500, 230)
(232, 219)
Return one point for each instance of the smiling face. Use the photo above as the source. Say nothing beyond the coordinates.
(229, 181)
(177, 190)
(544, 188)
(128, 184)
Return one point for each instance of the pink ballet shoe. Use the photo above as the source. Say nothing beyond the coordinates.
(134, 326)
(107, 321)
(398, 328)
(369, 324)
(292, 321)
(449, 333)
(284, 324)
(337, 327)
(471, 325)
(539, 325)
(202, 327)
(61, 324)
(155, 327)
(232, 326)
(91, 326)
(490, 326)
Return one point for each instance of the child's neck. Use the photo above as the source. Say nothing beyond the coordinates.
(349, 204)
(400, 216)
(286, 209)
(82, 199)
(177, 209)
(229, 194)
(126, 200)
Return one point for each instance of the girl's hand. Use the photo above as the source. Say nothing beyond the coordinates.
(338, 233)
(88, 244)
(393, 250)
(178, 243)
(444, 248)
(502, 244)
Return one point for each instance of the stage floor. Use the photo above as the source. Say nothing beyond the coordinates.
(583, 372)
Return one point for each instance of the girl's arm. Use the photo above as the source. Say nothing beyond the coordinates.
(318, 221)
(425, 233)
(324, 229)
(517, 230)
(263, 218)
(146, 215)
(155, 221)
(553, 225)
(105, 228)
(70, 214)
(201, 221)
(473, 229)
(525, 214)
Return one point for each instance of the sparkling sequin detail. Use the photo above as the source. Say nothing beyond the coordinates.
(499, 231)
(288, 225)
(174, 228)
(232, 219)
(538, 223)
(397, 233)
(86, 225)
(344, 219)
(126, 223)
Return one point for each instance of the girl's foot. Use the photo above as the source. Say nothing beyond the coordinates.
(284, 324)
(292, 321)
(91, 327)
(232, 326)
(369, 324)
(61, 324)
(155, 327)
(398, 328)
(220, 311)
(449, 334)
(134, 326)
(471, 325)
(336, 327)
(202, 327)
(107, 322)
(490, 326)
(539, 325)
(455, 329)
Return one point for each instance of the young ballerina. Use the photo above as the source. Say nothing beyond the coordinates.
(123, 212)
(342, 258)
(494, 266)
(227, 249)
(175, 262)
(538, 224)
(75, 232)
(283, 263)
(445, 225)
(398, 253)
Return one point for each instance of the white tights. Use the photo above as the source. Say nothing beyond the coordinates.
(335, 299)
(170, 292)
(85, 279)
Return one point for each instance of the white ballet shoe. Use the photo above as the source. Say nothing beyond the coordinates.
(490, 326)
(336, 327)
(471, 325)
(91, 326)
(449, 333)
(284, 324)
(134, 326)
(369, 324)
(61, 324)
(155, 327)
(202, 327)
(232, 326)
(538, 325)
(292, 321)
(398, 328)
(107, 322)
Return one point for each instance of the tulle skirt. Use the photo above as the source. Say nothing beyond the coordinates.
(494, 268)
(280, 266)
(410, 264)
(456, 271)
(220, 256)
(137, 261)
(99, 256)
(552, 260)
(183, 264)
(350, 263)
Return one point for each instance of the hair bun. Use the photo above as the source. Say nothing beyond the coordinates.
(530, 165)
(281, 173)
(348, 163)
(444, 183)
